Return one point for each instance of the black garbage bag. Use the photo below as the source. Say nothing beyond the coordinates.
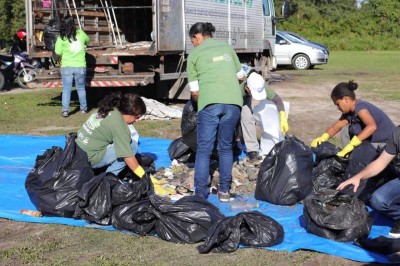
(180, 151)
(328, 174)
(131, 207)
(124, 193)
(135, 217)
(324, 151)
(285, 175)
(251, 229)
(333, 215)
(57, 177)
(185, 221)
(144, 160)
(52, 30)
(189, 125)
(95, 203)
(381, 244)
(360, 157)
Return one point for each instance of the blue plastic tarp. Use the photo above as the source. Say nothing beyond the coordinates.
(18, 156)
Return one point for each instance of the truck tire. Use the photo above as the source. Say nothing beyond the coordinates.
(2, 81)
(266, 67)
(301, 62)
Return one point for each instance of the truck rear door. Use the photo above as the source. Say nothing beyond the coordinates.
(238, 22)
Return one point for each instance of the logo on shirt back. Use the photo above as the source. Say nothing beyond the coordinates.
(225, 57)
(75, 46)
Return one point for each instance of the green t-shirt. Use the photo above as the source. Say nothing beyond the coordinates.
(72, 53)
(97, 133)
(215, 64)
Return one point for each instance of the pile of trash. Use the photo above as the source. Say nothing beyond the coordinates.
(180, 177)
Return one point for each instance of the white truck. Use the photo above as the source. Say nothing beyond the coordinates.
(145, 43)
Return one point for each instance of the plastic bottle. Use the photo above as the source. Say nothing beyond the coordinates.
(243, 206)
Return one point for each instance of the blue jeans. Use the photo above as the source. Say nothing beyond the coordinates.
(215, 121)
(68, 74)
(386, 199)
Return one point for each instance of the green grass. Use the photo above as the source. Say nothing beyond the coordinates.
(375, 71)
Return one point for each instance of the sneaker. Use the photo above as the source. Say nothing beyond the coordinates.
(395, 231)
(65, 114)
(84, 111)
(224, 196)
(254, 156)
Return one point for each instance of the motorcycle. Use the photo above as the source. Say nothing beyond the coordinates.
(16, 67)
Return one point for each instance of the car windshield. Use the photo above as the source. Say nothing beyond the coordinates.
(297, 36)
(290, 37)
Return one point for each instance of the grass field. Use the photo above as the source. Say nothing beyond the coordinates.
(39, 113)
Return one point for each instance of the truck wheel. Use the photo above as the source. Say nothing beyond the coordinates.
(266, 67)
(2, 80)
(301, 62)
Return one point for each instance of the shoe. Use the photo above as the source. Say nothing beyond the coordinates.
(224, 196)
(254, 156)
(65, 114)
(395, 231)
(84, 111)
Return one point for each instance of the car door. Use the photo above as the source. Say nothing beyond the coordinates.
(282, 50)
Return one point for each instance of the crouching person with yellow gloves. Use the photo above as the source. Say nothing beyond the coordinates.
(363, 122)
(109, 138)
(254, 88)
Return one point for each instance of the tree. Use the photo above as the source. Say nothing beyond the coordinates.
(12, 16)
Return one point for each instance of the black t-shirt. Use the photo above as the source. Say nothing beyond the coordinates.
(383, 122)
(393, 144)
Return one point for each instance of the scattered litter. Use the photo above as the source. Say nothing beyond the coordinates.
(31, 213)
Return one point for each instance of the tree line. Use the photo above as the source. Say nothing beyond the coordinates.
(339, 24)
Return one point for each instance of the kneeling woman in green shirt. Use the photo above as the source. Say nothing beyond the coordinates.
(109, 137)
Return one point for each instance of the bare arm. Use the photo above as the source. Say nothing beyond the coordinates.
(336, 127)
(195, 95)
(132, 163)
(371, 170)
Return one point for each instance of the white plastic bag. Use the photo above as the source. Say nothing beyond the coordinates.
(267, 116)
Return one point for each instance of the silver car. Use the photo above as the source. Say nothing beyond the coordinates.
(291, 51)
(304, 39)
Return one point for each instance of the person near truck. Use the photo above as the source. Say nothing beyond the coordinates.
(213, 72)
(109, 138)
(254, 88)
(71, 47)
(385, 199)
(369, 128)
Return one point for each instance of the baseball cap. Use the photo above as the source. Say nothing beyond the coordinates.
(256, 83)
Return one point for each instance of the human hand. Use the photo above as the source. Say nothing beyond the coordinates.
(355, 141)
(352, 181)
(316, 142)
(284, 123)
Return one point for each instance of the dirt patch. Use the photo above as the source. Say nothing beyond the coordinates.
(312, 111)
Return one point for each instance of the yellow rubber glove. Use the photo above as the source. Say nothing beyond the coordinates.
(284, 122)
(324, 137)
(160, 186)
(355, 141)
